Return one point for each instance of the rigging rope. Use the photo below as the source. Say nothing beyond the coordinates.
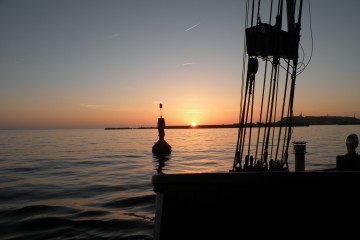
(272, 44)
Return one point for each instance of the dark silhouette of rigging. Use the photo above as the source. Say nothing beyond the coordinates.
(278, 50)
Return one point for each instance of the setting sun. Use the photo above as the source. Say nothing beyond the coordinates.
(193, 124)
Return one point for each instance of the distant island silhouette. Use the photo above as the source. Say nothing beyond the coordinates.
(326, 120)
(299, 121)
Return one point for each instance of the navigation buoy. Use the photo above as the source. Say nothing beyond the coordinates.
(161, 147)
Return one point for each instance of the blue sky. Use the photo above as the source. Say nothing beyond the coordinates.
(88, 63)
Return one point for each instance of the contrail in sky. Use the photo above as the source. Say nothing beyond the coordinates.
(192, 27)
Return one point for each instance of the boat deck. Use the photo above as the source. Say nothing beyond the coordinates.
(223, 205)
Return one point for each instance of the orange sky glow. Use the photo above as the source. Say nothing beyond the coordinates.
(110, 65)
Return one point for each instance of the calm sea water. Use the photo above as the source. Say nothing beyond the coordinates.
(96, 184)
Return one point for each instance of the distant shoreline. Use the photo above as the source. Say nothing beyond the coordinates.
(299, 121)
(217, 126)
(193, 127)
(179, 127)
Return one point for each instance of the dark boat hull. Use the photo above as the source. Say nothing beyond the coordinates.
(231, 205)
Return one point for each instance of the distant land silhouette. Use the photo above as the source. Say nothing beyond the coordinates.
(326, 120)
(299, 121)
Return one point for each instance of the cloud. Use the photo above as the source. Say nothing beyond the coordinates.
(115, 35)
(192, 27)
(188, 63)
(92, 106)
(193, 111)
(194, 99)
(102, 108)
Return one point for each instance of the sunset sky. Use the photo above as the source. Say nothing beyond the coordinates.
(109, 63)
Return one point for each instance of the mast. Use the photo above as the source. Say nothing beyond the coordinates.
(273, 52)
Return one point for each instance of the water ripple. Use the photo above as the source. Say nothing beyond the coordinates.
(96, 184)
(131, 201)
(62, 228)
